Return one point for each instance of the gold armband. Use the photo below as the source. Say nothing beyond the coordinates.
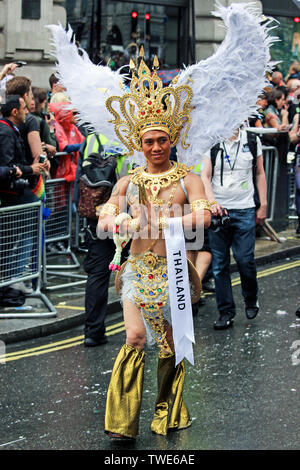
(107, 209)
(200, 204)
(163, 223)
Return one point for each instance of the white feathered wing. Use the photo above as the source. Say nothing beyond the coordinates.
(88, 85)
(226, 85)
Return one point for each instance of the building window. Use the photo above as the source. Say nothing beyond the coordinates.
(31, 9)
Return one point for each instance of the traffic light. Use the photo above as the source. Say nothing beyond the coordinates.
(296, 19)
(147, 26)
(134, 21)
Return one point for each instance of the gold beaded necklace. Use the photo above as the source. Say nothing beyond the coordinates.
(155, 182)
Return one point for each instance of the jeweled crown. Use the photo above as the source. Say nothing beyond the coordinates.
(150, 106)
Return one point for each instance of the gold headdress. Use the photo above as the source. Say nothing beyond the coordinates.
(150, 106)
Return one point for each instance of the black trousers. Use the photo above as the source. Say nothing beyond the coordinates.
(100, 254)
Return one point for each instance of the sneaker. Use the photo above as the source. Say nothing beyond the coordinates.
(22, 288)
(225, 321)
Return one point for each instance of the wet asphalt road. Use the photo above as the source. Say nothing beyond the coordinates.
(242, 393)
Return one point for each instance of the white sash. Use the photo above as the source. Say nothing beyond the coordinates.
(179, 291)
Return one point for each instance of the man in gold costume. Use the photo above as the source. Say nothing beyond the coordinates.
(160, 185)
(151, 118)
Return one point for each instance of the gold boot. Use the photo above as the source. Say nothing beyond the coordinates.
(170, 410)
(124, 395)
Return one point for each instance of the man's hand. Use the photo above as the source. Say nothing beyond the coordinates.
(18, 172)
(261, 215)
(47, 166)
(7, 70)
(216, 209)
(38, 168)
(137, 224)
(49, 149)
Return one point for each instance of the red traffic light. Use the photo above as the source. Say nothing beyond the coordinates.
(134, 14)
(147, 16)
(297, 19)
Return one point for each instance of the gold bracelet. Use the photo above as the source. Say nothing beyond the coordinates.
(163, 222)
(200, 204)
(107, 209)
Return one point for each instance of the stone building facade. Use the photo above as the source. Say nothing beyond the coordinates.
(27, 39)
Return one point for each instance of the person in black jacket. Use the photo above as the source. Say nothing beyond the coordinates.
(12, 155)
(12, 150)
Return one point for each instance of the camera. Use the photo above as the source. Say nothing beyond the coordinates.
(21, 63)
(42, 158)
(220, 221)
(17, 184)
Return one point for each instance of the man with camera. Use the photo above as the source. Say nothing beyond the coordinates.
(16, 190)
(235, 185)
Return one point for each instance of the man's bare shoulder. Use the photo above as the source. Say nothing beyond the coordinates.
(121, 186)
(194, 186)
(191, 179)
(124, 181)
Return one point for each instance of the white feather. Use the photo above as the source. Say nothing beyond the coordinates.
(226, 85)
(88, 85)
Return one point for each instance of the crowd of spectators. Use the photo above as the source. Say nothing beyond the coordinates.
(49, 127)
(278, 110)
(279, 102)
(39, 140)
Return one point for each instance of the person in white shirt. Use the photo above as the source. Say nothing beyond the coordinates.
(230, 185)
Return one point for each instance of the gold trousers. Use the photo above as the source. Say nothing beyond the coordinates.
(124, 394)
(170, 411)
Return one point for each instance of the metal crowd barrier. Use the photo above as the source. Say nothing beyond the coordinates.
(21, 256)
(270, 156)
(58, 228)
(292, 193)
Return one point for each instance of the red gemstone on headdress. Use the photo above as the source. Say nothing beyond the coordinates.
(142, 305)
(150, 102)
(158, 111)
(142, 113)
(150, 276)
(154, 188)
(159, 304)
